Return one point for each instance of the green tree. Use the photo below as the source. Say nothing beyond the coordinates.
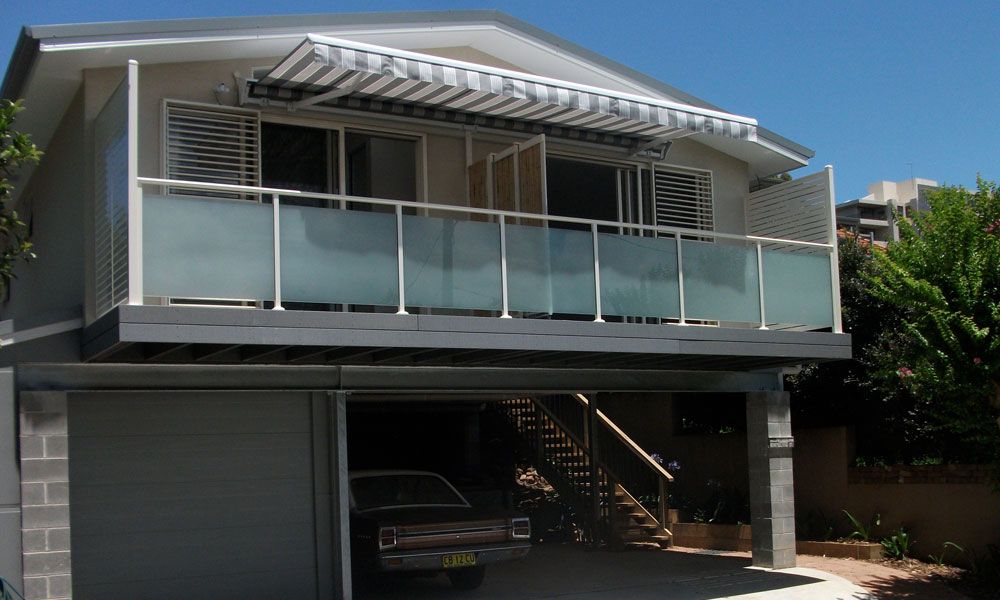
(944, 278)
(16, 150)
(851, 392)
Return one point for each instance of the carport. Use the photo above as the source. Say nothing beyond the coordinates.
(249, 463)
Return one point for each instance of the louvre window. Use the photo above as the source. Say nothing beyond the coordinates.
(684, 199)
(213, 146)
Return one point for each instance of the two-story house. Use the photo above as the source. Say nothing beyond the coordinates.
(246, 227)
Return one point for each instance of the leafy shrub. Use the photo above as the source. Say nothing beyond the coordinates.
(940, 558)
(897, 545)
(863, 531)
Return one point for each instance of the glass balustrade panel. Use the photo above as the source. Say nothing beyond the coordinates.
(451, 263)
(336, 256)
(638, 276)
(797, 288)
(207, 248)
(550, 270)
(720, 282)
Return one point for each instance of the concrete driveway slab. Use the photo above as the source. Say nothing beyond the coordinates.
(572, 571)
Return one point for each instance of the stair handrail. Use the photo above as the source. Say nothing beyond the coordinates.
(629, 442)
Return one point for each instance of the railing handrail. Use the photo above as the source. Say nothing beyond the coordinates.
(507, 214)
(627, 441)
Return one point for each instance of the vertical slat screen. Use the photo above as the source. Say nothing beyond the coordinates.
(795, 210)
(212, 145)
(683, 198)
(111, 202)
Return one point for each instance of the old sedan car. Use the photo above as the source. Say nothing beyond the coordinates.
(417, 522)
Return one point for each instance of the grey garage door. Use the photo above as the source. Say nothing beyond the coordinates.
(194, 495)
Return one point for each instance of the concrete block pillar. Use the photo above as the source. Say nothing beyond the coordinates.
(45, 529)
(772, 504)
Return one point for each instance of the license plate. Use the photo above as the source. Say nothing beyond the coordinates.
(464, 559)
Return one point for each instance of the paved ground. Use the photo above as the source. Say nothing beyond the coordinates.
(570, 572)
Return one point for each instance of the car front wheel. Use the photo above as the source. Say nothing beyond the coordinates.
(467, 579)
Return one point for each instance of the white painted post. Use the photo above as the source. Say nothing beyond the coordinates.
(503, 268)
(598, 318)
(135, 295)
(760, 285)
(276, 222)
(399, 261)
(838, 325)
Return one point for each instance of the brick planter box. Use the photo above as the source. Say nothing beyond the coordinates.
(711, 536)
(856, 550)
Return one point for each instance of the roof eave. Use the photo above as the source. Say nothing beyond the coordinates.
(21, 63)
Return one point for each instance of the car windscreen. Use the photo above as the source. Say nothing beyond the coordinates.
(380, 491)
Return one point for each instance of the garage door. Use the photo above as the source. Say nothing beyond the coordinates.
(192, 496)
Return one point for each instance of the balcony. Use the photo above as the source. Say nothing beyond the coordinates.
(190, 271)
(484, 262)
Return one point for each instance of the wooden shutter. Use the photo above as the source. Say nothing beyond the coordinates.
(683, 198)
(513, 180)
(505, 182)
(531, 178)
(479, 188)
(212, 145)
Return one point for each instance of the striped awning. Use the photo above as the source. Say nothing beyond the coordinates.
(334, 72)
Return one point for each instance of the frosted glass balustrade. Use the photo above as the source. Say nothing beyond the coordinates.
(720, 282)
(550, 270)
(207, 248)
(797, 288)
(451, 263)
(338, 256)
(638, 276)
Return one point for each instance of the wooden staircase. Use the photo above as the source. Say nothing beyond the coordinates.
(565, 438)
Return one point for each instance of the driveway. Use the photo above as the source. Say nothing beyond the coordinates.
(572, 571)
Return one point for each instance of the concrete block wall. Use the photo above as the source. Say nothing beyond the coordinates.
(772, 497)
(45, 496)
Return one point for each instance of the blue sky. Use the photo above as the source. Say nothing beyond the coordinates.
(880, 89)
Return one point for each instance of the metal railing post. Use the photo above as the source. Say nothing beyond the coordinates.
(276, 220)
(503, 268)
(399, 261)
(838, 325)
(760, 285)
(680, 278)
(598, 317)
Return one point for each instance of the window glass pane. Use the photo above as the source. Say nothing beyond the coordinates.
(381, 167)
(402, 490)
(299, 158)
